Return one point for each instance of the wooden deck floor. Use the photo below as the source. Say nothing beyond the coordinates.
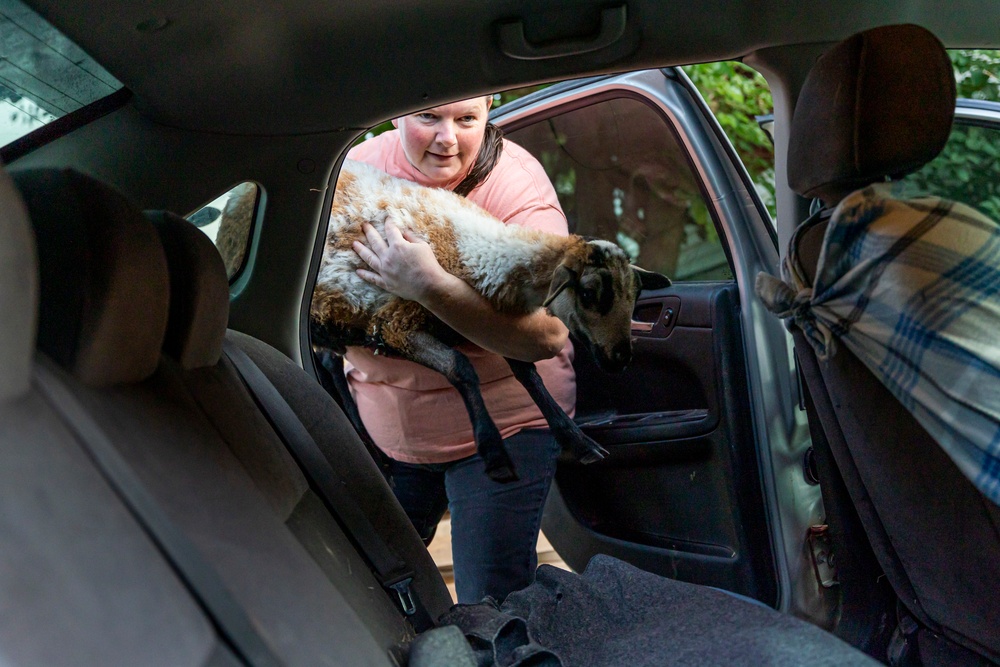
(441, 552)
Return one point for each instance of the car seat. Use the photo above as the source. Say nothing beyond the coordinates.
(877, 106)
(151, 514)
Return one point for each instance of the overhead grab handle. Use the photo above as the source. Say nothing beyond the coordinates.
(514, 44)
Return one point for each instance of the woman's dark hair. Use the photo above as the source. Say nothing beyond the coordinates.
(489, 154)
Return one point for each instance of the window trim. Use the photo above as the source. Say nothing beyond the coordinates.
(64, 125)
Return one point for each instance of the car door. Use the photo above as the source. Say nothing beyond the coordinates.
(706, 443)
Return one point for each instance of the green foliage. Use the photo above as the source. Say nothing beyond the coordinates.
(977, 73)
(737, 94)
(967, 170)
(374, 132)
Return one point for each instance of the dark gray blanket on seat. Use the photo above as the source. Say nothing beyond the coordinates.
(617, 615)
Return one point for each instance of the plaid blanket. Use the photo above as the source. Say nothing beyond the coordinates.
(912, 288)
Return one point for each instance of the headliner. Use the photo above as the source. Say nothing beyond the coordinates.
(299, 67)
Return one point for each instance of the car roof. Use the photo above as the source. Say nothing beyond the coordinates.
(257, 67)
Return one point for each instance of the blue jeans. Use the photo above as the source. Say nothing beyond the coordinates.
(494, 527)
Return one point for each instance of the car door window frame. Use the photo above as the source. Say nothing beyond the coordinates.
(616, 91)
(743, 224)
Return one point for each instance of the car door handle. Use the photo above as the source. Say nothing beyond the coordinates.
(514, 44)
(660, 319)
(641, 327)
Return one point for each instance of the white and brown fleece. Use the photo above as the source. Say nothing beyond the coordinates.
(511, 266)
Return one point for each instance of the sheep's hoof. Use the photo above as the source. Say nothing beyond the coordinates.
(592, 455)
(579, 446)
(501, 471)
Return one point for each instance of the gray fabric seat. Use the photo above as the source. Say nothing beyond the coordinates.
(196, 440)
(80, 581)
(881, 104)
(197, 325)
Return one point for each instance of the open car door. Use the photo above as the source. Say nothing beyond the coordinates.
(706, 442)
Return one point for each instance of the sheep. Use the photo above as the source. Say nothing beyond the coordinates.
(589, 285)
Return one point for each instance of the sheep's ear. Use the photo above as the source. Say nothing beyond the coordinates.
(648, 280)
(562, 278)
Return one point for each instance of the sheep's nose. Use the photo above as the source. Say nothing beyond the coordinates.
(621, 355)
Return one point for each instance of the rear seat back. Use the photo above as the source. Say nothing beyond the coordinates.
(196, 272)
(18, 292)
(197, 441)
(80, 581)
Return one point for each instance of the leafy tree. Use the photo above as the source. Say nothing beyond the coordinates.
(737, 95)
(977, 73)
(968, 169)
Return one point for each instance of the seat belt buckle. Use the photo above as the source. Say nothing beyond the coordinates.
(402, 588)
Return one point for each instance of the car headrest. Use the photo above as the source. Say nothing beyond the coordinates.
(103, 281)
(878, 104)
(18, 292)
(199, 292)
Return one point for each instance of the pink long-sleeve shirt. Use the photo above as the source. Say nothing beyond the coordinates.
(412, 413)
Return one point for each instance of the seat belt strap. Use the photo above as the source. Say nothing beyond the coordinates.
(390, 570)
(201, 579)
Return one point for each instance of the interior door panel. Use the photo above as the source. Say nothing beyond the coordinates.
(680, 492)
(677, 492)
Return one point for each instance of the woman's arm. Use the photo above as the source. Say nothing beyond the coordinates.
(405, 266)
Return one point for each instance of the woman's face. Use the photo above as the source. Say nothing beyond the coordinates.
(442, 143)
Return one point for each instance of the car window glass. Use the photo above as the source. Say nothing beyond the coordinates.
(967, 170)
(43, 75)
(228, 220)
(621, 175)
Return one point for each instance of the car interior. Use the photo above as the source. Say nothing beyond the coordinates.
(179, 488)
(871, 439)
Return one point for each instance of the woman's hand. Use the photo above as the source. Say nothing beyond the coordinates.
(401, 263)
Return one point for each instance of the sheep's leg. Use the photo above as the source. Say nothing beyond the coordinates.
(331, 376)
(329, 343)
(428, 351)
(564, 430)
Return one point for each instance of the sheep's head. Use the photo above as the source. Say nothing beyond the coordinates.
(594, 293)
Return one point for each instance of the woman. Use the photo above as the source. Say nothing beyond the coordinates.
(411, 412)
